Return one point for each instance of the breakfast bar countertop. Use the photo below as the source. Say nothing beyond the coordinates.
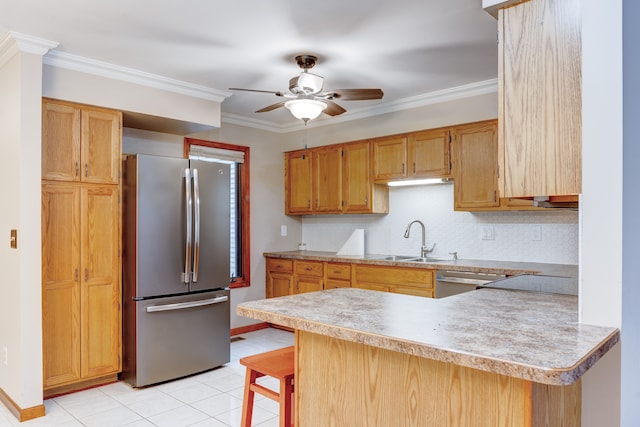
(532, 336)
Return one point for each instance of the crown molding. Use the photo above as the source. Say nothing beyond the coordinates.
(445, 95)
(13, 42)
(130, 75)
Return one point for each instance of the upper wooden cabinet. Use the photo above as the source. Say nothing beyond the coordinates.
(298, 178)
(331, 180)
(80, 143)
(360, 194)
(327, 176)
(540, 98)
(475, 150)
(424, 154)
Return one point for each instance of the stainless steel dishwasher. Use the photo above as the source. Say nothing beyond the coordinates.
(450, 282)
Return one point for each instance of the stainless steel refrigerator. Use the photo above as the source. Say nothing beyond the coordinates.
(175, 267)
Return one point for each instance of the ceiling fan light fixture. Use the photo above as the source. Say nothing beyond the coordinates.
(305, 109)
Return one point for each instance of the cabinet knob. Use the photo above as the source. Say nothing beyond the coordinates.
(77, 168)
(86, 274)
(86, 169)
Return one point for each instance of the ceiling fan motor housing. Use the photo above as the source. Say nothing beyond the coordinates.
(306, 84)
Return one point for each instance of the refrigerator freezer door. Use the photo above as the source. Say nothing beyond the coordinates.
(179, 336)
(211, 253)
(160, 227)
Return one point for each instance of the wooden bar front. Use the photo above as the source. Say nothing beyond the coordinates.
(342, 383)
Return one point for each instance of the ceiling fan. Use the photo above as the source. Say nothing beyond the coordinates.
(306, 99)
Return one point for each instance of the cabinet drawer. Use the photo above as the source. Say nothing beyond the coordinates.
(280, 265)
(410, 290)
(308, 268)
(420, 277)
(334, 284)
(338, 271)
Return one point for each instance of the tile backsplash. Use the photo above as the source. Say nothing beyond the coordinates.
(549, 236)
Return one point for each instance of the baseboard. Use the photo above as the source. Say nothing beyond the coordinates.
(21, 414)
(249, 328)
(79, 386)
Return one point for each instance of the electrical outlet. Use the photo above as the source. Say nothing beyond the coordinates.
(536, 232)
(283, 230)
(5, 355)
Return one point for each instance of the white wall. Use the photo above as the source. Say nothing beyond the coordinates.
(631, 214)
(20, 269)
(451, 231)
(601, 245)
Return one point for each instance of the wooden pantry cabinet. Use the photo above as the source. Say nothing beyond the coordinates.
(424, 154)
(81, 249)
(333, 179)
(539, 91)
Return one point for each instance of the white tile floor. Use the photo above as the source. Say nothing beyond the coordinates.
(211, 399)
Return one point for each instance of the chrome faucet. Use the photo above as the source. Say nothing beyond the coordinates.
(424, 251)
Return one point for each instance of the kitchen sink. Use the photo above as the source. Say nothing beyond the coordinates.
(393, 258)
(426, 260)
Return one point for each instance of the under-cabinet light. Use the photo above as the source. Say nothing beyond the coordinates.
(429, 181)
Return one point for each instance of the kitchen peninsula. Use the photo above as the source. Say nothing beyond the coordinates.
(486, 357)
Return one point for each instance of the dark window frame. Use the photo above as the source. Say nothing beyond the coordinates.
(245, 279)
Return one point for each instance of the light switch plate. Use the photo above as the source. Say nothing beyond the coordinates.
(487, 233)
(13, 240)
(536, 232)
(283, 230)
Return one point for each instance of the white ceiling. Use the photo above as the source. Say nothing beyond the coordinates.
(404, 47)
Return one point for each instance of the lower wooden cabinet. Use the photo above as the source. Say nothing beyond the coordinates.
(81, 288)
(308, 276)
(287, 277)
(401, 280)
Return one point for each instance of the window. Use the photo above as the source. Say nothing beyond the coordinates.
(238, 157)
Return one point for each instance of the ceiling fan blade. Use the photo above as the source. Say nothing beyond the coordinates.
(333, 109)
(355, 94)
(271, 107)
(258, 90)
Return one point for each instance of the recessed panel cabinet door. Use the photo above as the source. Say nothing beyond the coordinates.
(357, 187)
(60, 141)
(327, 171)
(298, 183)
(100, 146)
(60, 283)
(100, 280)
(476, 171)
(429, 154)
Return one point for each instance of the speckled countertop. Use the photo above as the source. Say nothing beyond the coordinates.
(484, 266)
(533, 336)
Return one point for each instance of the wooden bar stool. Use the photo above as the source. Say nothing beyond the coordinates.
(277, 364)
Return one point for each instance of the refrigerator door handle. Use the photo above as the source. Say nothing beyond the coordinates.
(196, 232)
(184, 305)
(187, 204)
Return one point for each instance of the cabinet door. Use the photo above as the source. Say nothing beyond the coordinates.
(475, 172)
(540, 98)
(389, 158)
(429, 154)
(278, 284)
(100, 270)
(101, 141)
(60, 283)
(298, 183)
(308, 284)
(357, 186)
(327, 174)
(60, 141)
